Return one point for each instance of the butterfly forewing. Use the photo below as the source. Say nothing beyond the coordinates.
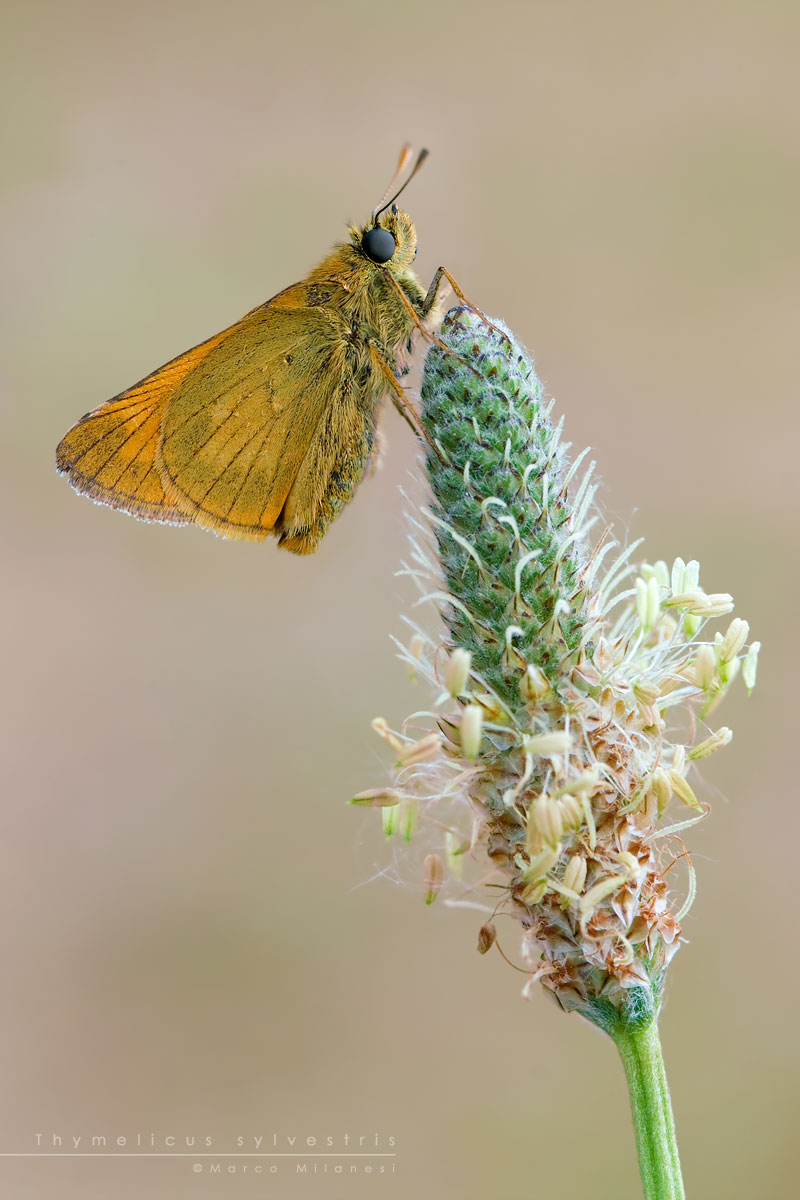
(239, 427)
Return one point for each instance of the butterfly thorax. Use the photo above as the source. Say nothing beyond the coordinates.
(268, 426)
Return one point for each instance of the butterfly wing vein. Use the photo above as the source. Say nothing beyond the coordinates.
(219, 435)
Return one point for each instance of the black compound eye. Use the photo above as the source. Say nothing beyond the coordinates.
(378, 244)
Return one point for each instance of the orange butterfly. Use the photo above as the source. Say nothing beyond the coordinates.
(268, 427)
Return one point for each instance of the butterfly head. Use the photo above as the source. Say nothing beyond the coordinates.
(389, 237)
(389, 241)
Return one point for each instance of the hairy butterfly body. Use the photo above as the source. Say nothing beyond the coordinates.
(268, 427)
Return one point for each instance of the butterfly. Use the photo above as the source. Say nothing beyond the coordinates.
(268, 427)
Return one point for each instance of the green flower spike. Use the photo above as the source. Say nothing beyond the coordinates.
(559, 758)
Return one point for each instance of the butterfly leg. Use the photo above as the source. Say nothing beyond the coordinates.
(431, 301)
(400, 399)
(417, 319)
(428, 333)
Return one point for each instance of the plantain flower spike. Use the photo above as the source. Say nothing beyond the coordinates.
(572, 690)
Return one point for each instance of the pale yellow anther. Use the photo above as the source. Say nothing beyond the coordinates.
(735, 637)
(381, 727)
(653, 602)
(540, 864)
(558, 741)
(571, 812)
(678, 576)
(716, 605)
(471, 730)
(641, 600)
(661, 787)
(534, 892)
(683, 790)
(691, 575)
(598, 893)
(648, 601)
(630, 862)
(456, 673)
(750, 666)
(711, 744)
(646, 693)
(420, 751)
(705, 667)
(661, 573)
(547, 818)
(581, 783)
(575, 873)
(688, 600)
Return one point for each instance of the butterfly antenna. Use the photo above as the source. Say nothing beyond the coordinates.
(405, 158)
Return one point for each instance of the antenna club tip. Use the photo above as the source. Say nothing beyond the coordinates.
(405, 157)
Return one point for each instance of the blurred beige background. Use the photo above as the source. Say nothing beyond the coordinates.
(187, 946)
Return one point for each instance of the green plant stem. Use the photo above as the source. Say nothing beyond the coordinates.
(640, 1050)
